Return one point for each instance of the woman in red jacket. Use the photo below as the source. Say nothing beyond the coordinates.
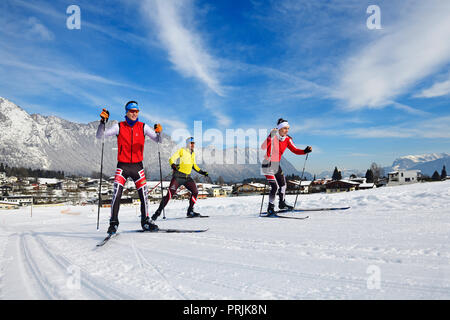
(130, 143)
(275, 145)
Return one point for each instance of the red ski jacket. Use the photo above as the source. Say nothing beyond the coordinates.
(279, 146)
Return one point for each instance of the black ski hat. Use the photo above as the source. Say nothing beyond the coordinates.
(281, 120)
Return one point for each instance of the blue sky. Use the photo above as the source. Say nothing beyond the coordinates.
(356, 95)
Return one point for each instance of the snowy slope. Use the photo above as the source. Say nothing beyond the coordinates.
(400, 232)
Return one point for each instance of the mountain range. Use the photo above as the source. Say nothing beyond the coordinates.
(426, 163)
(52, 143)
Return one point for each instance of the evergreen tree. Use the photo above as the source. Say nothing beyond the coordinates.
(436, 176)
(443, 173)
(336, 174)
(369, 176)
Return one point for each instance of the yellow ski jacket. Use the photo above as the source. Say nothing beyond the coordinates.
(187, 160)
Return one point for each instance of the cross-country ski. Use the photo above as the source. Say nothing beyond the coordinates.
(107, 238)
(162, 230)
(276, 215)
(317, 209)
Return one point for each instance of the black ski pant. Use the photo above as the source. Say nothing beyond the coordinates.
(124, 171)
(276, 180)
(178, 179)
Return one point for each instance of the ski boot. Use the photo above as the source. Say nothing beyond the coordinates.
(192, 214)
(270, 210)
(113, 226)
(282, 205)
(148, 224)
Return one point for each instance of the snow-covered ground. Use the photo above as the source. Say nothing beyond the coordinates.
(392, 244)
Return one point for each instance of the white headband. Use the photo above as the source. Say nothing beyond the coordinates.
(283, 125)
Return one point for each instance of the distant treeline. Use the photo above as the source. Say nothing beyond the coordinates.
(28, 172)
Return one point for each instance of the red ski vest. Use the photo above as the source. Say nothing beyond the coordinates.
(130, 142)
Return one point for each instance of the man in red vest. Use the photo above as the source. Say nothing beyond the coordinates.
(130, 143)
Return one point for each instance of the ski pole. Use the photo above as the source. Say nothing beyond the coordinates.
(301, 179)
(101, 175)
(160, 175)
(264, 192)
(159, 183)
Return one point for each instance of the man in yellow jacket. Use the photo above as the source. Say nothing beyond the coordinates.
(182, 177)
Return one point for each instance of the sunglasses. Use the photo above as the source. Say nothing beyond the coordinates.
(133, 111)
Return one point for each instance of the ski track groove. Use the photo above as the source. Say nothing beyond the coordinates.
(3, 259)
(140, 257)
(34, 272)
(246, 244)
(97, 287)
(362, 282)
(142, 260)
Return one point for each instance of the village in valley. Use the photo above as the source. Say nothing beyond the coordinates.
(26, 191)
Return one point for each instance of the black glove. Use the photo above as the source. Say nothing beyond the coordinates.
(104, 115)
(174, 167)
(308, 149)
(204, 173)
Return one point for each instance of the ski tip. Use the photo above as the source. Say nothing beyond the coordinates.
(172, 231)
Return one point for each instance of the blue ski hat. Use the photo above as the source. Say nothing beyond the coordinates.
(189, 141)
(131, 105)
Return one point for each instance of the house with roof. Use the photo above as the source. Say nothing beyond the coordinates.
(295, 186)
(363, 184)
(341, 186)
(401, 177)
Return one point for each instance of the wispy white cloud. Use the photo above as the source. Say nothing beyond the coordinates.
(185, 45)
(438, 89)
(404, 54)
(110, 32)
(214, 105)
(37, 29)
(409, 109)
(171, 122)
(435, 128)
(63, 72)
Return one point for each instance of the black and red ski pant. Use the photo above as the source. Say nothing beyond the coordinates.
(179, 179)
(275, 176)
(124, 171)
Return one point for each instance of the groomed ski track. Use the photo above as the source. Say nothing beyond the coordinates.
(400, 232)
